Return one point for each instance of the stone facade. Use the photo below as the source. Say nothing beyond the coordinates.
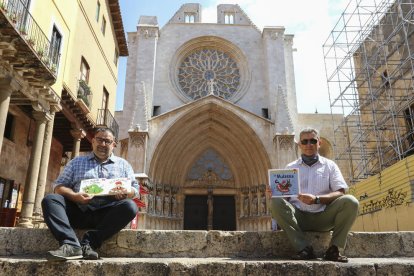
(208, 109)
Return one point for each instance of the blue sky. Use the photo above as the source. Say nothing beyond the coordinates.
(310, 22)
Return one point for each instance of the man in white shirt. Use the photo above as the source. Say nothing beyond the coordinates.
(322, 204)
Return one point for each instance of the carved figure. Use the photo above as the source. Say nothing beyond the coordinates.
(166, 205)
(263, 204)
(158, 205)
(210, 212)
(174, 207)
(254, 205)
(150, 207)
(246, 206)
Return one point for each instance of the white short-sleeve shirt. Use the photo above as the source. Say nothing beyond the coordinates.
(321, 178)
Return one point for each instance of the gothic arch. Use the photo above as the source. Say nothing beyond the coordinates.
(210, 125)
(326, 149)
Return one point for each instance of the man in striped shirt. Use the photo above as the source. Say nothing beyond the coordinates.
(322, 204)
(69, 208)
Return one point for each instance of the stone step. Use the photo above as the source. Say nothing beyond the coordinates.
(15, 266)
(205, 244)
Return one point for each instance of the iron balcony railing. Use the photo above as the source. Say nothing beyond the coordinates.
(105, 118)
(18, 14)
(85, 93)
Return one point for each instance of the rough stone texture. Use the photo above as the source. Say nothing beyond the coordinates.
(199, 244)
(383, 244)
(205, 266)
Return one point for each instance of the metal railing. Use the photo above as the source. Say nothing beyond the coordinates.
(84, 93)
(23, 22)
(105, 118)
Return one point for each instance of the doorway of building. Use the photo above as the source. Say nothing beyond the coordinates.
(224, 213)
(196, 213)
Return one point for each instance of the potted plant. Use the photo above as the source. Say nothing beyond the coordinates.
(13, 17)
(84, 91)
(31, 42)
(53, 68)
(23, 31)
(3, 6)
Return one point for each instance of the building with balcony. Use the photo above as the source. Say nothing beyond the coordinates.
(58, 79)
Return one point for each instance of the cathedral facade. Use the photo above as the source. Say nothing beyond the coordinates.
(209, 108)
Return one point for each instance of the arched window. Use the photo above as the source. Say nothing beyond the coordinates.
(229, 18)
(189, 17)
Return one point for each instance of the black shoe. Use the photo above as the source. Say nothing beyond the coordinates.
(89, 253)
(305, 254)
(332, 254)
(65, 252)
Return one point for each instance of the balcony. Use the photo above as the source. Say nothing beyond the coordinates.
(85, 94)
(106, 119)
(25, 46)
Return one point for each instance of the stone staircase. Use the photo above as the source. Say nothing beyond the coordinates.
(165, 252)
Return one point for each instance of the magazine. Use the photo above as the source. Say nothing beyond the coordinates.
(284, 182)
(105, 187)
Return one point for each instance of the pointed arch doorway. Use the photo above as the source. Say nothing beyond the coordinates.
(210, 173)
(209, 124)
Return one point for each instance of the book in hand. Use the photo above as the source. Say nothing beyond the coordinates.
(284, 182)
(105, 187)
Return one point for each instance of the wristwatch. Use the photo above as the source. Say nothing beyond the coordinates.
(317, 200)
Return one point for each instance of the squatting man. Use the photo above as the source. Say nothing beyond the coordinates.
(322, 204)
(68, 207)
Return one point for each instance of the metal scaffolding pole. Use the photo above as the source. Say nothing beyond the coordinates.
(370, 69)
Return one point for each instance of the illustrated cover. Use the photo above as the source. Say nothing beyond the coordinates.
(105, 187)
(284, 182)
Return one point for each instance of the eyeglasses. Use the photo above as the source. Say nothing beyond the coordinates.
(102, 140)
(312, 141)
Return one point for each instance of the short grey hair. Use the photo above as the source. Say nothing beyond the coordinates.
(309, 130)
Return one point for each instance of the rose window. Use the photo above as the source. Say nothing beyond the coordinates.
(207, 72)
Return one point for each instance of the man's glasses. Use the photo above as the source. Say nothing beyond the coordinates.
(312, 141)
(102, 140)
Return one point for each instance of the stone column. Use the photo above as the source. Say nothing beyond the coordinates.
(44, 165)
(137, 149)
(5, 92)
(33, 171)
(210, 206)
(78, 135)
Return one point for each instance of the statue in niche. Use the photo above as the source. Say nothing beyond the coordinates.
(246, 206)
(166, 205)
(209, 176)
(254, 205)
(158, 205)
(263, 204)
(150, 208)
(174, 207)
(210, 212)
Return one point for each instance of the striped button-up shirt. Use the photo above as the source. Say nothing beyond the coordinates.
(87, 167)
(321, 178)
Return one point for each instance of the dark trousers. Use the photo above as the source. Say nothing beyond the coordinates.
(62, 216)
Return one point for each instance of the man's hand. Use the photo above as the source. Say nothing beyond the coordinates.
(81, 198)
(120, 196)
(307, 198)
(325, 199)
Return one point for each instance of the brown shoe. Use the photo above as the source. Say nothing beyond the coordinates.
(305, 254)
(332, 254)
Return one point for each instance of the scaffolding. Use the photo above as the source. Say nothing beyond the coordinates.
(369, 69)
